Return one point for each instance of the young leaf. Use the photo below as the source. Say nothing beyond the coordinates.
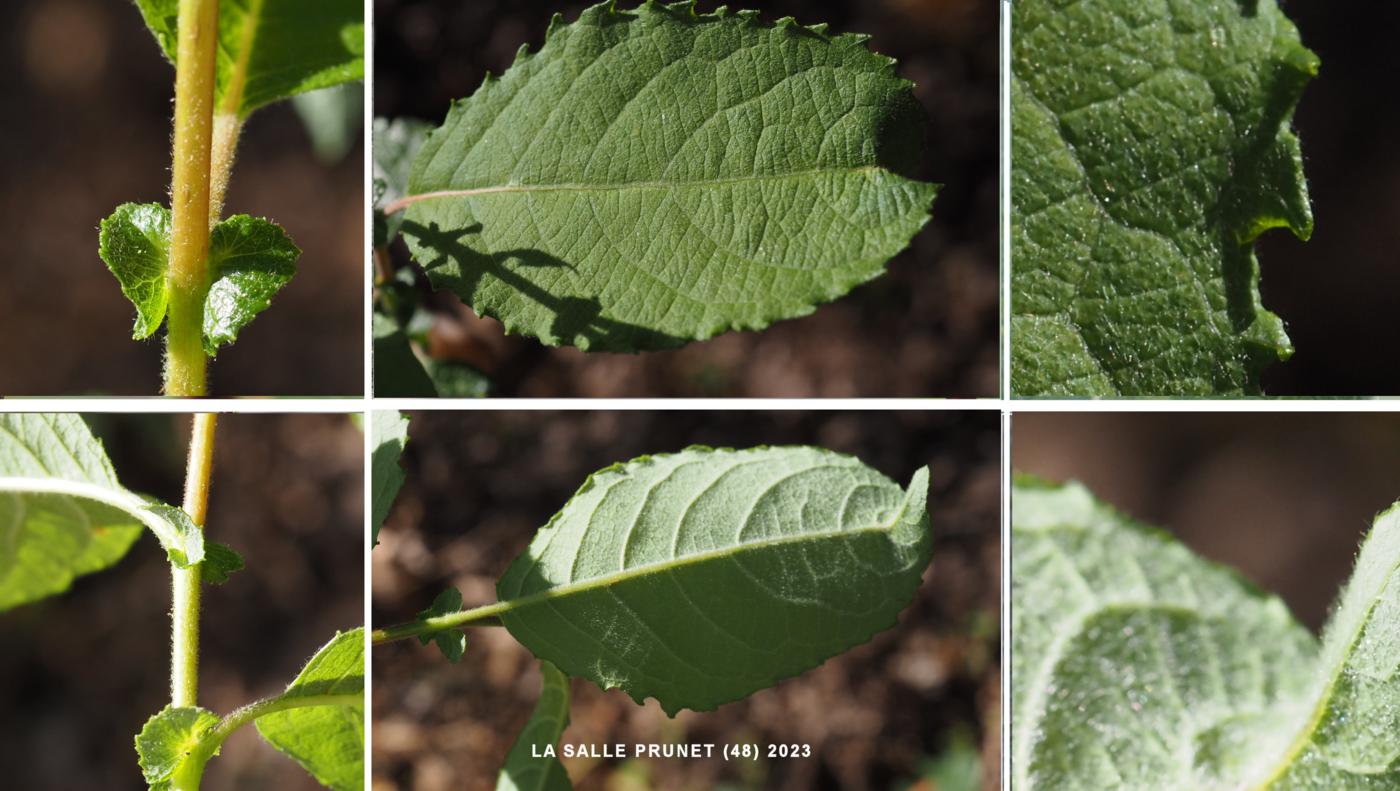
(451, 642)
(700, 577)
(168, 739)
(1136, 664)
(273, 49)
(134, 243)
(1151, 147)
(219, 563)
(250, 260)
(64, 512)
(327, 740)
(657, 176)
(523, 771)
(388, 436)
(395, 144)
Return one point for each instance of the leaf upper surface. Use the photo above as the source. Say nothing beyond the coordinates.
(167, 739)
(328, 741)
(523, 771)
(63, 513)
(134, 243)
(273, 49)
(1136, 664)
(1151, 146)
(250, 259)
(700, 577)
(656, 176)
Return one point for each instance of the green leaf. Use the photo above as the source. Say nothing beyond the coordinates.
(657, 176)
(388, 436)
(273, 49)
(457, 380)
(1151, 146)
(219, 563)
(1136, 664)
(452, 642)
(250, 260)
(398, 373)
(63, 512)
(333, 119)
(700, 577)
(395, 144)
(168, 739)
(327, 740)
(134, 243)
(523, 771)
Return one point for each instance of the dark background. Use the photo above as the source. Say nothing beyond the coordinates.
(1339, 294)
(926, 328)
(480, 484)
(82, 671)
(87, 97)
(1284, 498)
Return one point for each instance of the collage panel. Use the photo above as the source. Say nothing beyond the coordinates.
(1203, 197)
(1205, 601)
(686, 199)
(725, 599)
(146, 600)
(110, 290)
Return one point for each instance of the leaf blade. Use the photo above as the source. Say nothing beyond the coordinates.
(389, 436)
(250, 260)
(134, 243)
(522, 770)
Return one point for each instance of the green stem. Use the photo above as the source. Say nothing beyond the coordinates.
(487, 615)
(188, 277)
(184, 583)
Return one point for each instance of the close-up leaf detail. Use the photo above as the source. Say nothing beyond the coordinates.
(134, 242)
(1151, 146)
(655, 176)
(168, 739)
(388, 436)
(273, 49)
(1137, 664)
(700, 577)
(64, 512)
(525, 772)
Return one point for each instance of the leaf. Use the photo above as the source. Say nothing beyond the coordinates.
(1136, 664)
(523, 771)
(168, 739)
(273, 49)
(388, 436)
(397, 371)
(1151, 147)
(219, 563)
(657, 176)
(333, 119)
(327, 740)
(451, 642)
(395, 144)
(700, 577)
(250, 260)
(134, 243)
(64, 514)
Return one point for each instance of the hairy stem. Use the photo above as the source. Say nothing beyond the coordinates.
(487, 615)
(188, 277)
(184, 610)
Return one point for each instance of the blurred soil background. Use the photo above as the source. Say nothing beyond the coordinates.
(926, 328)
(82, 671)
(1339, 293)
(1284, 498)
(87, 97)
(919, 702)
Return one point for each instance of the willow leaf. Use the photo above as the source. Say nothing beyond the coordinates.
(388, 436)
(273, 49)
(700, 577)
(656, 176)
(1150, 148)
(1135, 664)
(64, 514)
(525, 772)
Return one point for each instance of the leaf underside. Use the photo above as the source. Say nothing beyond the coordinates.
(64, 514)
(273, 49)
(328, 741)
(523, 771)
(1135, 664)
(250, 260)
(700, 577)
(1150, 148)
(656, 176)
(388, 436)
